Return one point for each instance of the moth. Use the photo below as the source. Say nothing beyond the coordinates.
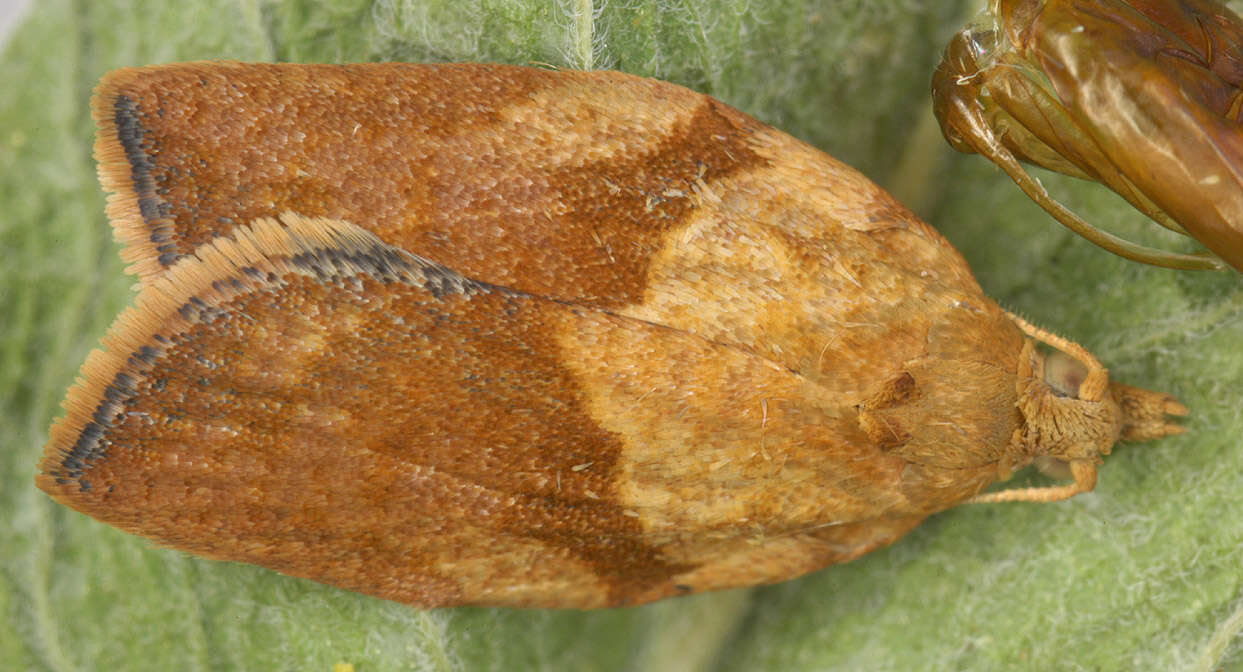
(1142, 96)
(491, 335)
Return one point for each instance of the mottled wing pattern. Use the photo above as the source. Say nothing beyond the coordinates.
(335, 408)
(473, 334)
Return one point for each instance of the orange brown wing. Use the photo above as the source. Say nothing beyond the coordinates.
(309, 399)
(633, 356)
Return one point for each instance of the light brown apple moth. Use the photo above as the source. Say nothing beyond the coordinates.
(478, 334)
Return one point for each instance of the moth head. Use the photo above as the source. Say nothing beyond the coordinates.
(1075, 414)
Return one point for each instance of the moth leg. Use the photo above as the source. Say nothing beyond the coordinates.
(980, 136)
(1084, 472)
(1097, 381)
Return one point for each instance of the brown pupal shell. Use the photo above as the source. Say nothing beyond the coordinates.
(471, 334)
(1143, 96)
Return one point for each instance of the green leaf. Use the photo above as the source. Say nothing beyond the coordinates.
(1143, 573)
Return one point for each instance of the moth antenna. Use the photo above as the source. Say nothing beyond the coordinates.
(1084, 472)
(1097, 381)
